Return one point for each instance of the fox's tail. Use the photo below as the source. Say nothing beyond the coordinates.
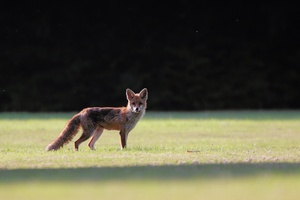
(67, 134)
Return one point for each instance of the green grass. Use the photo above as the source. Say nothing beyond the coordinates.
(170, 155)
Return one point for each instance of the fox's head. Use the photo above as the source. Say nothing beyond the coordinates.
(137, 102)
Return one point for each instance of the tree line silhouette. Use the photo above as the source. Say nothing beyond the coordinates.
(189, 56)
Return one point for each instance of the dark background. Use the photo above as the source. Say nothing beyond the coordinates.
(190, 56)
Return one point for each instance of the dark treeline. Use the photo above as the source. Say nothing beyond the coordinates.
(189, 56)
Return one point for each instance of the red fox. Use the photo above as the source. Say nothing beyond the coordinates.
(94, 120)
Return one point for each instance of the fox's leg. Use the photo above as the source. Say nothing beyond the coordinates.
(86, 134)
(124, 136)
(96, 134)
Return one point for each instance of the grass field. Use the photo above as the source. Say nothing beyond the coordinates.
(170, 155)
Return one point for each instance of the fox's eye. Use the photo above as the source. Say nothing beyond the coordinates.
(133, 103)
(140, 103)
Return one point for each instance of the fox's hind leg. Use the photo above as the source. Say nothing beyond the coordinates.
(86, 134)
(96, 134)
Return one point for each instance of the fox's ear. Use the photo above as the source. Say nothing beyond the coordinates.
(129, 94)
(144, 94)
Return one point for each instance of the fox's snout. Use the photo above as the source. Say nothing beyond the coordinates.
(136, 108)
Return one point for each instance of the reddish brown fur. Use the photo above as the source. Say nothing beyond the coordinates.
(95, 119)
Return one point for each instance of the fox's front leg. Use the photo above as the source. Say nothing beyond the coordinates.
(124, 136)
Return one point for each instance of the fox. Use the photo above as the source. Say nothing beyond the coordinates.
(93, 120)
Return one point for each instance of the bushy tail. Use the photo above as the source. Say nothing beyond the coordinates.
(66, 135)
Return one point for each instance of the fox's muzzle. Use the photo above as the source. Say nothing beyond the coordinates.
(135, 109)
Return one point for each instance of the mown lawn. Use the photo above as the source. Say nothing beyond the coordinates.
(170, 155)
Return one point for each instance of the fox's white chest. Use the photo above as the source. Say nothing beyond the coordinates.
(132, 119)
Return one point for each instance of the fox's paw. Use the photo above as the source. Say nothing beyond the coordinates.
(92, 147)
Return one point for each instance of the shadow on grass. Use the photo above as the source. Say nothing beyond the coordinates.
(167, 172)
